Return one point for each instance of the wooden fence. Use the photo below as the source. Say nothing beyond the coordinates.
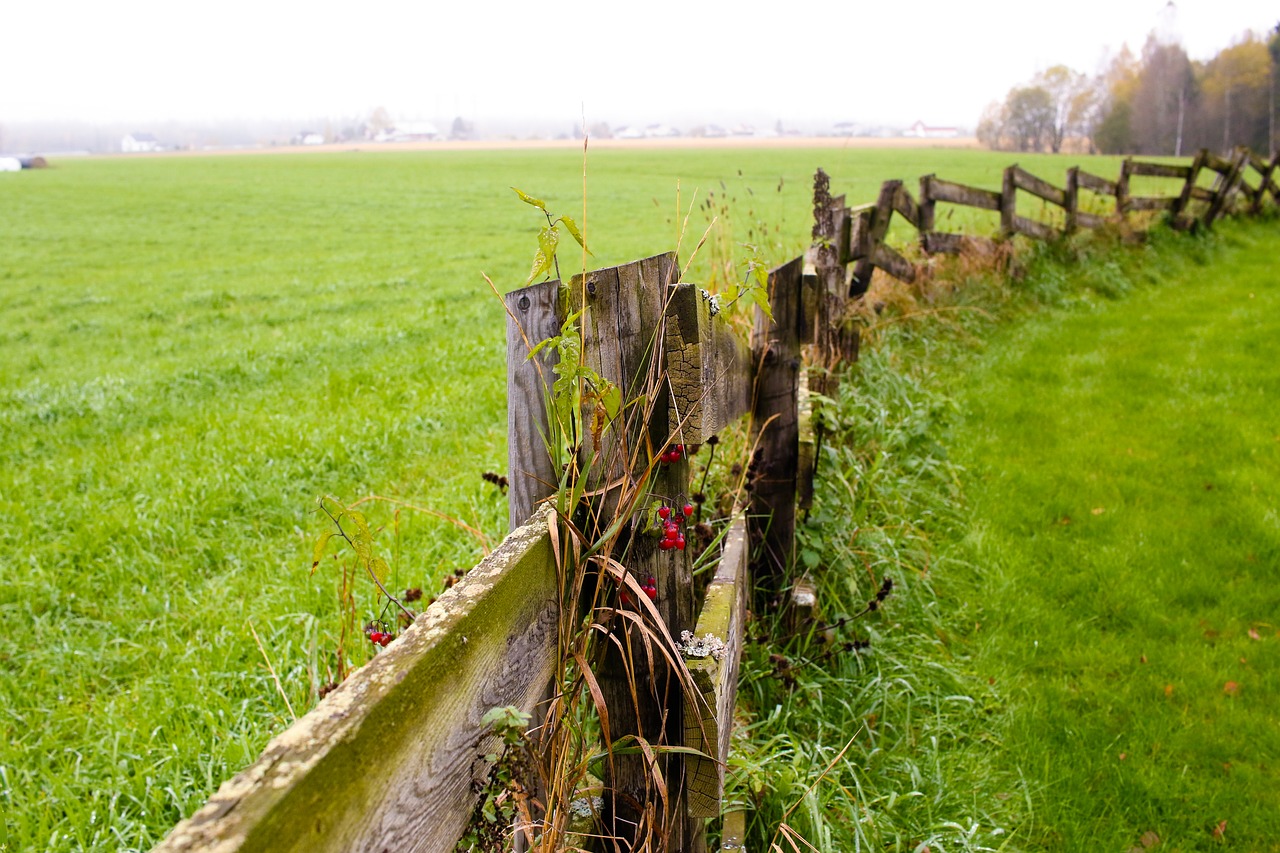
(394, 758)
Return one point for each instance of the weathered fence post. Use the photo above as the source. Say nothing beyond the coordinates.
(1008, 203)
(1122, 187)
(775, 350)
(1181, 220)
(1072, 199)
(532, 317)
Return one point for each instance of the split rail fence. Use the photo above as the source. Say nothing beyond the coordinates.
(393, 759)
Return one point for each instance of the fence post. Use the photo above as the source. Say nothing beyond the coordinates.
(1122, 187)
(928, 210)
(1072, 199)
(775, 429)
(1009, 202)
(532, 317)
(1181, 220)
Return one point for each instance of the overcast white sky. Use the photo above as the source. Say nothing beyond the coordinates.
(681, 61)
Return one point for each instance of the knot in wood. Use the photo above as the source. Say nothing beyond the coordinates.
(523, 303)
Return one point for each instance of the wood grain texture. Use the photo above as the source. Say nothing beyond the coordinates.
(1071, 199)
(888, 259)
(1160, 170)
(1009, 203)
(881, 217)
(708, 717)
(533, 315)
(708, 367)
(807, 462)
(1142, 202)
(1225, 188)
(775, 425)
(388, 761)
(945, 242)
(1181, 211)
(906, 206)
(1038, 187)
(1032, 228)
(1095, 184)
(953, 193)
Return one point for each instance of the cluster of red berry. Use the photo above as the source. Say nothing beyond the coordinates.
(380, 638)
(650, 588)
(674, 454)
(672, 537)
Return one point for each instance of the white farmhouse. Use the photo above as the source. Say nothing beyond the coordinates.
(924, 131)
(137, 143)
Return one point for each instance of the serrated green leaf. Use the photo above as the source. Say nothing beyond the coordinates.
(321, 543)
(528, 199)
(548, 240)
(379, 569)
(572, 228)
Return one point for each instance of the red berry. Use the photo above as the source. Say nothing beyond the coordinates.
(680, 544)
(651, 581)
(652, 592)
(667, 544)
(679, 519)
(386, 640)
(672, 533)
(625, 597)
(688, 510)
(664, 512)
(375, 636)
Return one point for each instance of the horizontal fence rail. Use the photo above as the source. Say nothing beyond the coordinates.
(395, 758)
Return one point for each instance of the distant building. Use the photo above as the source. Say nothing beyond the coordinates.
(139, 143)
(409, 131)
(308, 137)
(924, 131)
(10, 164)
(660, 131)
(628, 132)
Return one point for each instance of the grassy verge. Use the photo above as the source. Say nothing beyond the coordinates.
(1075, 496)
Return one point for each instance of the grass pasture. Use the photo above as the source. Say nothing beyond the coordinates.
(192, 350)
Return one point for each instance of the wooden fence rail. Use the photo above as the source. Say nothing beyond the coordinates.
(394, 758)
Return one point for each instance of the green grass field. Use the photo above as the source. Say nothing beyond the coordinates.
(192, 350)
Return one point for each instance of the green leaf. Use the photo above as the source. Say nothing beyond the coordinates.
(572, 228)
(505, 717)
(548, 238)
(379, 569)
(321, 543)
(528, 199)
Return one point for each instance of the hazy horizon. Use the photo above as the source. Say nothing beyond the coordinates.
(816, 62)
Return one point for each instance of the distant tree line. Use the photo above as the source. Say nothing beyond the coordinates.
(1160, 103)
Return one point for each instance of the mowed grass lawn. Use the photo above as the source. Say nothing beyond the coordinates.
(1123, 463)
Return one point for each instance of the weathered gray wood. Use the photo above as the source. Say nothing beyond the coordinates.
(1203, 194)
(1181, 216)
(623, 328)
(1038, 187)
(1089, 220)
(708, 719)
(1095, 184)
(1225, 188)
(1122, 187)
(1218, 164)
(775, 426)
(532, 317)
(1153, 203)
(1071, 199)
(905, 205)
(806, 466)
(928, 210)
(942, 242)
(1032, 228)
(953, 193)
(1009, 203)
(708, 367)
(888, 259)
(860, 234)
(388, 761)
(1159, 170)
(880, 219)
